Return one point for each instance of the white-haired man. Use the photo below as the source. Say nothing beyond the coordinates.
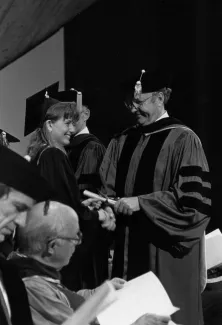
(159, 171)
(46, 244)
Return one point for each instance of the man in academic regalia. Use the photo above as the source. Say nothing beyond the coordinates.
(20, 187)
(159, 170)
(86, 153)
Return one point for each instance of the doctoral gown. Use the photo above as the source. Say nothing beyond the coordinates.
(55, 167)
(86, 154)
(164, 165)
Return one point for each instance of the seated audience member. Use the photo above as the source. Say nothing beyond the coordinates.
(45, 245)
(212, 297)
(20, 187)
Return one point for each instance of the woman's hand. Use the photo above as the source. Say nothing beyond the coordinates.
(107, 218)
(92, 203)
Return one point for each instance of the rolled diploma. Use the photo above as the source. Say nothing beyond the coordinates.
(99, 197)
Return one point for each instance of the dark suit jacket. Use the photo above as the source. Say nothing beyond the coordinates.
(17, 296)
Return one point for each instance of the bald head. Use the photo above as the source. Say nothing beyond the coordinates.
(51, 212)
(46, 220)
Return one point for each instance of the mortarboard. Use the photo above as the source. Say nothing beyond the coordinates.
(37, 106)
(147, 82)
(71, 95)
(66, 96)
(23, 176)
(88, 96)
(9, 138)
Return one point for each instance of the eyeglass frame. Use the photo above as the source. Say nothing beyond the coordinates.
(74, 241)
(131, 106)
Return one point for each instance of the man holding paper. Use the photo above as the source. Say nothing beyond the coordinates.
(45, 245)
(159, 170)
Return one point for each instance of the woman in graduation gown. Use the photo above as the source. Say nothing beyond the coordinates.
(47, 151)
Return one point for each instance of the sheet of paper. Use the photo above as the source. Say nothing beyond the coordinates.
(213, 233)
(214, 249)
(139, 296)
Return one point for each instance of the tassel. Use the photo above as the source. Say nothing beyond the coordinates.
(4, 139)
(78, 99)
(138, 85)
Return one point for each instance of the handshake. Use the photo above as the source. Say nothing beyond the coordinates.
(105, 207)
(107, 218)
(106, 215)
(103, 204)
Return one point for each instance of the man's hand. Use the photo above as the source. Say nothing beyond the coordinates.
(118, 283)
(127, 205)
(151, 319)
(107, 218)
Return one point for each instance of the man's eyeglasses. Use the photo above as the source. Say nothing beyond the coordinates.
(140, 104)
(75, 241)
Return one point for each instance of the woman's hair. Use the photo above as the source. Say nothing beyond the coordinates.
(40, 137)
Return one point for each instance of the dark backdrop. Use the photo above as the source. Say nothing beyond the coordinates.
(114, 39)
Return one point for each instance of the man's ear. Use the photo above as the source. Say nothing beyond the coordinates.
(160, 98)
(86, 114)
(51, 247)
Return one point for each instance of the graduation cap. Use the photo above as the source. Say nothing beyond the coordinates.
(37, 106)
(147, 82)
(153, 81)
(23, 176)
(86, 97)
(6, 138)
(71, 95)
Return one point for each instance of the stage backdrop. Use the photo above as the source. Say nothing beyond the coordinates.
(34, 71)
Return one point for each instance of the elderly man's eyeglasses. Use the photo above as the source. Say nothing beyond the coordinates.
(75, 241)
(140, 104)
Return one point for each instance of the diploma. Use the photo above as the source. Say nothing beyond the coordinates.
(92, 195)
